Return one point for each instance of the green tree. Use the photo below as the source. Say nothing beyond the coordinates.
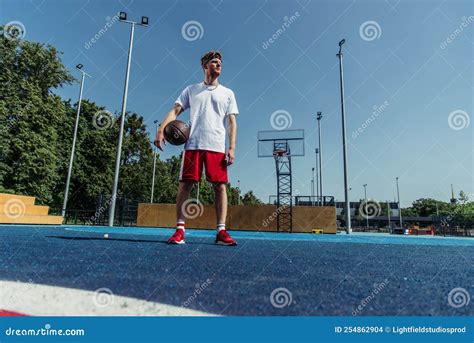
(137, 156)
(95, 158)
(30, 116)
(166, 179)
(233, 194)
(409, 212)
(250, 199)
(385, 209)
(94, 161)
(426, 207)
(463, 198)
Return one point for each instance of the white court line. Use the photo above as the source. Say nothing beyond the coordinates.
(42, 300)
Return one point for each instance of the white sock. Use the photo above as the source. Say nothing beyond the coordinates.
(180, 225)
(220, 227)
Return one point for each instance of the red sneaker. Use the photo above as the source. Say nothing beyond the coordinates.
(177, 238)
(223, 238)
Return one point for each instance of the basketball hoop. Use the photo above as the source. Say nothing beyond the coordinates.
(279, 152)
(282, 146)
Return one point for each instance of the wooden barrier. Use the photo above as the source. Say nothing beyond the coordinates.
(239, 217)
(21, 209)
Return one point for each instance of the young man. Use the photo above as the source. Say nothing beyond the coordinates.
(212, 106)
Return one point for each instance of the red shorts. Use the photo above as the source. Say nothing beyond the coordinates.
(214, 162)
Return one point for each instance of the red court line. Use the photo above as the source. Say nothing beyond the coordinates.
(5, 313)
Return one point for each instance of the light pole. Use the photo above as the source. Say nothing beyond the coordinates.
(197, 193)
(154, 165)
(312, 186)
(238, 186)
(317, 177)
(388, 215)
(319, 116)
(74, 139)
(365, 204)
(344, 147)
(144, 22)
(399, 208)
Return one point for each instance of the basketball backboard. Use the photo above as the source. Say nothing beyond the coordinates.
(280, 143)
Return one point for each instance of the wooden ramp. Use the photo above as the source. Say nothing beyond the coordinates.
(21, 209)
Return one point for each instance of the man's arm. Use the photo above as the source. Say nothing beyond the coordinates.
(232, 128)
(172, 115)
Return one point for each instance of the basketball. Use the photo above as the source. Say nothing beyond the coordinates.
(177, 132)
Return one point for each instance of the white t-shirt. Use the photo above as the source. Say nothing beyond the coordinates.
(209, 109)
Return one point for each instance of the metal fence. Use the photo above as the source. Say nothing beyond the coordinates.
(306, 200)
(125, 213)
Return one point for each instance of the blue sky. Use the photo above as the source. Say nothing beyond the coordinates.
(408, 80)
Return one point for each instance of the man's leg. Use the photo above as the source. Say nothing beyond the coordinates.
(220, 192)
(190, 172)
(183, 194)
(216, 173)
(222, 236)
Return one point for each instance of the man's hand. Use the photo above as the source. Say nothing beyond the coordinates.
(230, 156)
(160, 141)
(232, 127)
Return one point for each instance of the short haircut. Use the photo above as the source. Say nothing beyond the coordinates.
(210, 56)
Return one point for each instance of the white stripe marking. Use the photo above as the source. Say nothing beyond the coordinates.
(42, 300)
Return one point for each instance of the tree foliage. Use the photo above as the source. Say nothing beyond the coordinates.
(250, 199)
(31, 117)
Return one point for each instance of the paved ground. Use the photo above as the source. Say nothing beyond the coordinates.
(359, 274)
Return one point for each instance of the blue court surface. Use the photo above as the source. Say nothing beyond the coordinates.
(266, 274)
